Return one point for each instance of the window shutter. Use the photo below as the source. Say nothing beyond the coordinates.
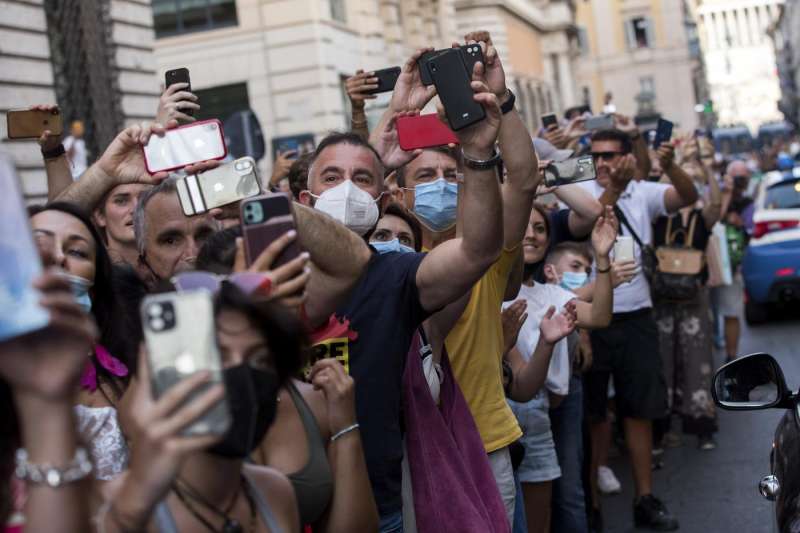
(648, 29)
(630, 34)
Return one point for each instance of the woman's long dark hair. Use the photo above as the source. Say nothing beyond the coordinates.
(106, 308)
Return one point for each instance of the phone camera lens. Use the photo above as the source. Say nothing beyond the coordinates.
(155, 310)
(157, 324)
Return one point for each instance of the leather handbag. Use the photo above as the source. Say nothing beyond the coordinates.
(677, 277)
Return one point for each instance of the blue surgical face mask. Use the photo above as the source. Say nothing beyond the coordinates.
(573, 280)
(80, 290)
(384, 247)
(436, 204)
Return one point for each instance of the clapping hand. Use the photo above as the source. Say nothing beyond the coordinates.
(556, 326)
(605, 233)
(514, 316)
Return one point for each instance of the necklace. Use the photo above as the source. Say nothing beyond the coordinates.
(230, 524)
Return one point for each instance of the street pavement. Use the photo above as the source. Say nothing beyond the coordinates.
(717, 491)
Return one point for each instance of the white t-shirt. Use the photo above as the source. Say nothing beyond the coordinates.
(641, 203)
(540, 297)
(78, 161)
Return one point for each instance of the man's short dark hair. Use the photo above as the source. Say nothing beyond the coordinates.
(569, 247)
(402, 213)
(298, 175)
(400, 173)
(353, 139)
(614, 134)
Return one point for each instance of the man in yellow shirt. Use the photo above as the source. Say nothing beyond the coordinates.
(428, 187)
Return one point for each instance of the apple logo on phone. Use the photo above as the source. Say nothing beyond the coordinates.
(218, 187)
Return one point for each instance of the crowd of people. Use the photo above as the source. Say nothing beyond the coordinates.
(453, 350)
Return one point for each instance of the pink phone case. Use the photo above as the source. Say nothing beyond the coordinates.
(152, 170)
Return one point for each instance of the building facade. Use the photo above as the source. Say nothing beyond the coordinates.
(91, 57)
(287, 60)
(739, 59)
(785, 34)
(636, 55)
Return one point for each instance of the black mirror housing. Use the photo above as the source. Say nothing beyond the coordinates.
(750, 383)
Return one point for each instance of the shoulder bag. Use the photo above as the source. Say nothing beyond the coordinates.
(677, 277)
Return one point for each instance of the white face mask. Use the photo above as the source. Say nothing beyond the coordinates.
(351, 206)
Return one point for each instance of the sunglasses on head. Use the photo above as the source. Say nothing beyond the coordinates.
(605, 156)
(250, 283)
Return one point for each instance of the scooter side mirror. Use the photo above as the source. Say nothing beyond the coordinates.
(751, 382)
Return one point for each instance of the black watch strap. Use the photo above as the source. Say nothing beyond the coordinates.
(509, 104)
(58, 151)
(479, 164)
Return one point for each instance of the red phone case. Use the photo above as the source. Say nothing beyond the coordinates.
(192, 125)
(258, 236)
(423, 131)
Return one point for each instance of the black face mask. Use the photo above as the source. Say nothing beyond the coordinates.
(253, 401)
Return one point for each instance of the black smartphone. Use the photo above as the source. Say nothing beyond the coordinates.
(548, 120)
(470, 53)
(387, 78)
(663, 133)
(179, 75)
(452, 83)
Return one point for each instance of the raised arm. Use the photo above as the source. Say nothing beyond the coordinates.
(682, 192)
(640, 149)
(338, 258)
(453, 267)
(516, 147)
(56, 162)
(357, 87)
(597, 314)
(122, 162)
(584, 209)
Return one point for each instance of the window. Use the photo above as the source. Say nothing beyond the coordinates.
(647, 85)
(338, 11)
(222, 101)
(639, 33)
(583, 41)
(174, 17)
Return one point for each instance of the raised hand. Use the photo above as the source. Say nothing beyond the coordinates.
(281, 166)
(514, 316)
(357, 85)
(123, 160)
(605, 233)
(328, 376)
(173, 100)
(556, 326)
(666, 155)
(47, 141)
(556, 136)
(288, 281)
(48, 363)
(623, 174)
(495, 74)
(625, 124)
(409, 92)
(387, 143)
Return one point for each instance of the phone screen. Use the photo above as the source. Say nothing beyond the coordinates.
(200, 141)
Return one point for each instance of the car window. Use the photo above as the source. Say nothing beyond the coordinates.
(783, 195)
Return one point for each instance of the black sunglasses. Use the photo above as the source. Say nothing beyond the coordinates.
(605, 156)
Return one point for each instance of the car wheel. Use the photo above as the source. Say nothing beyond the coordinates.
(756, 313)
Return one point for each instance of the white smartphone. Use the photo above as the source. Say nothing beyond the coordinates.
(226, 184)
(181, 339)
(184, 145)
(623, 248)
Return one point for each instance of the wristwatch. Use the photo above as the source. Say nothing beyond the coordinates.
(508, 105)
(482, 164)
(46, 474)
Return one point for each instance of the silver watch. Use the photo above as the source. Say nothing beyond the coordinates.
(46, 474)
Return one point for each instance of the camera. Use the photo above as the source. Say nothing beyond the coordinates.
(253, 213)
(161, 316)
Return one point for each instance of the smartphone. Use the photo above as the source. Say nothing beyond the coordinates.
(387, 78)
(470, 53)
(599, 122)
(31, 123)
(220, 186)
(663, 133)
(570, 171)
(423, 131)
(623, 248)
(20, 265)
(453, 86)
(179, 75)
(184, 145)
(180, 334)
(548, 120)
(264, 219)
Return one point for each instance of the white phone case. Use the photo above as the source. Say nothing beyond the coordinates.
(623, 248)
(199, 141)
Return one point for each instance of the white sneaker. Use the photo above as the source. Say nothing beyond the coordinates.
(607, 482)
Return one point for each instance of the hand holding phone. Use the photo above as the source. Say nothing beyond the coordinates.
(264, 219)
(570, 171)
(453, 84)
(549, 120)
(599, 122)
(386, 80)
(180, 75)
(623, 248)
(32, 123)
(226, 184)
(663, 133)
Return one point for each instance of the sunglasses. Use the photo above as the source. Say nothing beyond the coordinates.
(250, 283)
(605, 156)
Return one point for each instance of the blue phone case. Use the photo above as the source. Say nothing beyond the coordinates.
(20, 311)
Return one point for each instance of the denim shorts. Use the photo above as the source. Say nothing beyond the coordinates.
(540, 462)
